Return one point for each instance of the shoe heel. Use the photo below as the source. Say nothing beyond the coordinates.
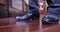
(35, 18)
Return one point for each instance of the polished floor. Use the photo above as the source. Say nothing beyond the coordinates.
(13, 25)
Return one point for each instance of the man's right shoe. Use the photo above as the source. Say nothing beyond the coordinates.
(50, 19)
(52, 12)
(51, 16)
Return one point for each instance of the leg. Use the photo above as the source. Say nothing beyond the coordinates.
(33, 11)
(53, 12)
(51, 16)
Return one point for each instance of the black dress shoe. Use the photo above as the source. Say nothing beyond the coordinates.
(27, 16)
(34, 15)
(52, 16)
(53, 12)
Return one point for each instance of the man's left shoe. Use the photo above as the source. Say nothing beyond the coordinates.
(33, 12)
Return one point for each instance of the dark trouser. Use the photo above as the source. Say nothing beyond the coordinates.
(33, 4)
(34, 8)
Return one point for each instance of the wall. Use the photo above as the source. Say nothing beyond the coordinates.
(3, 1)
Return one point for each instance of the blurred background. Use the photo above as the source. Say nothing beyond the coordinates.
(13, 8)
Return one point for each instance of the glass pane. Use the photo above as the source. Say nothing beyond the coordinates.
(17, 8)
(17, 4)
